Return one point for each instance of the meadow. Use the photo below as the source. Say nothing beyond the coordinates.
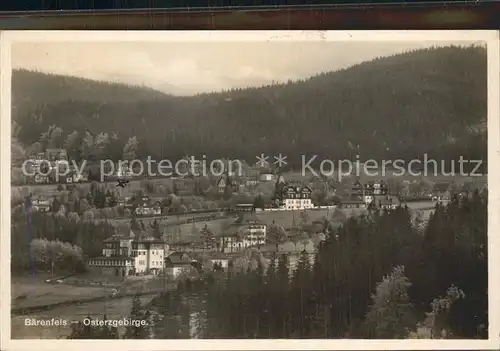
(27, 291)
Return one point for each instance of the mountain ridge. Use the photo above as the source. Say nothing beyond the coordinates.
(396, 106)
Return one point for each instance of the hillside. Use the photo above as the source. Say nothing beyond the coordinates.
(30, 89)
(425, 101)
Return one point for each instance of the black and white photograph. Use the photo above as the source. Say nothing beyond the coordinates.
(312, 188)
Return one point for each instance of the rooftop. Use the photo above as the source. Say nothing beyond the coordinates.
(352, 201)
(180, 258)
(137, 236)
(386, 200)
(112, 258)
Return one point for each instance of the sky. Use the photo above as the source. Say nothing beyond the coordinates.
(189, 68)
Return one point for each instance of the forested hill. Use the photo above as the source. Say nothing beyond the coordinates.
(30, 89)
(431, 100)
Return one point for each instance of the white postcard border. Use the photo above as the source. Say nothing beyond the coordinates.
(493, 48)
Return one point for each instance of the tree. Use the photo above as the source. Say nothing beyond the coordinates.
(71, 141)
(259, 202)
(18, 154)
(435, 325)
(391, 314)
(101, 142)
(130, 149)
(155, 226)
(87, 148)
(182, 209)
(134, 224)
(276, 234)
(208, 237)
(138, 329)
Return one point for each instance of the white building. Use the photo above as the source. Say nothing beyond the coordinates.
(179, 262)
(368, 199)
(246, 231)
(41, 204)
(132, 255)
(297, 197)
(149, 254)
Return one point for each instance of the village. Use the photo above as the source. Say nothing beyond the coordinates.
(323, 204)
(288, 217)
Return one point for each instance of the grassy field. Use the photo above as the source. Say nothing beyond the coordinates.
(28, 292)
(214, 226)
(287, 219)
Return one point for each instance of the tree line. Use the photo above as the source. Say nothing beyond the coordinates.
(377, 276)
(407, 96)
(46, 239)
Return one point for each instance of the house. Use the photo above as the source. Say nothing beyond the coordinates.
(226, 183)
(375, 188)
(133, 254)
(185, 246)
(184, 186)
(149, 254)
(148, 210)
(386, 202)
(246, 231)
(221, 259)
(244, 207)
(41, 204)
(123, 170)
(357, 189)
(80, 178)
(178, 262)
(367, 192)
(352, 203)
(298, 198)
(41, 179)
(146, 207)
(293, 197)
(40, 156)
(125, 201)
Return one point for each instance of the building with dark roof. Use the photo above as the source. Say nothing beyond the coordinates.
(292, 196)
(178, 262)
(352, 203)
(227, 183)
(136, 253)
(246, 231)
(41, 204)
(386, 202)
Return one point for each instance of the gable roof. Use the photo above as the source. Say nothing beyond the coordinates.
(180, 258)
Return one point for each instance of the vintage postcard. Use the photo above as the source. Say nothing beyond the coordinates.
(250, 190)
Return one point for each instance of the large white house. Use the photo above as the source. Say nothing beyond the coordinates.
(135, 254)
(297, 197)
(246, 231)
